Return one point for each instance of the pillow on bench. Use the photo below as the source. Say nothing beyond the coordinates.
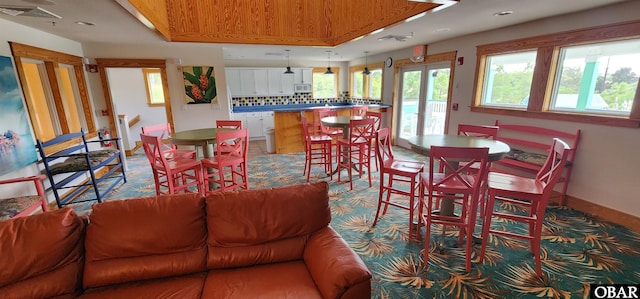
(10, 207)
(77, 162)
(527, 157)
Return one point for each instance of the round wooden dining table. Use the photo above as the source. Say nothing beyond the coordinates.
(342, 122)
(422, 144)
(202, 138)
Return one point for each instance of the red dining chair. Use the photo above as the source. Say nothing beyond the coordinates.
(229, 124)
(317, 150)
(490, 132)
(480, 131)
(320, 113)
(24, 205)
(228, 169)
(377, 124)
(359, 110)
(531, 193)
(175, 175)
(170, 151)
(392, 171)
(358, 149)
(454, 183)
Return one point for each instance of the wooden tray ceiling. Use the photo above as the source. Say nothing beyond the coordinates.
(275, 22)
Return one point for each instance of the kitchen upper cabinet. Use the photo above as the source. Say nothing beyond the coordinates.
(254, 82)
(302, 76)
(280, 84)
(250, 82)
(233, 82)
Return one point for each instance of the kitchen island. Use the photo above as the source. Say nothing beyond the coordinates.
(288, 127)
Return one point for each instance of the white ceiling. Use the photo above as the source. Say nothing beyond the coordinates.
(113, 24)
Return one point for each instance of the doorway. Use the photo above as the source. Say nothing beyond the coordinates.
(423, 100)
(120, 77)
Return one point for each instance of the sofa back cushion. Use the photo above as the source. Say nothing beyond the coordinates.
(41, 256)
(255, 227)
(145, 238)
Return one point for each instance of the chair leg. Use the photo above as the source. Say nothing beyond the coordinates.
(486, 225)
(380, 194)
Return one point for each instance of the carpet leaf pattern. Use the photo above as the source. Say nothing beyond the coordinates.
(577, 249)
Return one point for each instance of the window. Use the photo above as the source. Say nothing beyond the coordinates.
(153, 83)
(357, 89)
(55, 91)
(325, 86)
(589, 75)
(366, 86)
(597, 78)
(508, 79)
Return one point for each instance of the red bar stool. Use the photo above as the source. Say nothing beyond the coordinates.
(358, 145)
(393, 171)
(229, 169)
(317, 150)
(532, 194)
(454, 182)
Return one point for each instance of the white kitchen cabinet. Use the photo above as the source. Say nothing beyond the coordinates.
(267, 120)
(302, 75)
(233, 81)
(280, 84)
(249, 82)
(254, 82)
(255, 122)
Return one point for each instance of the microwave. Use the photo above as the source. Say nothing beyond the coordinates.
(302, 88)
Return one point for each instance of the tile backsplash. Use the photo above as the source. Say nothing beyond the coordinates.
(298, 98)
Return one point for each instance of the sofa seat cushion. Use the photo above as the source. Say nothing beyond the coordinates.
(10, 207)
(182, 287)
(41, 255)
(279, 280)
(145, 238)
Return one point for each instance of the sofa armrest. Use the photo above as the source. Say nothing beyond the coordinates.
(335, 268)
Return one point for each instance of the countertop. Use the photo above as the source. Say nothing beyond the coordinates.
(300, 107)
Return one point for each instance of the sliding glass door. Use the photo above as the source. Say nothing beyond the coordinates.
(424, 91)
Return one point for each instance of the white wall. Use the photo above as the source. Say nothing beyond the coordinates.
(185, 116)
(130, 98)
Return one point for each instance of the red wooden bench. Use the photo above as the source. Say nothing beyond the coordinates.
(529, 148)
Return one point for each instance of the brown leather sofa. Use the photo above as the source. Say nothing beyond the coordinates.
(270, 243)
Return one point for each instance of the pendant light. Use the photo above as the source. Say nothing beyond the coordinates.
(329, 71)
(366, 64)
(288, 71)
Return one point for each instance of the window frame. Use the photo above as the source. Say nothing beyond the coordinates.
(366, 82)
(336, 73)
(145, 73)
(52, 61)
(548, 52)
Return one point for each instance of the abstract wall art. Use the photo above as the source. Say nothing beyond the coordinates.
(17, 148)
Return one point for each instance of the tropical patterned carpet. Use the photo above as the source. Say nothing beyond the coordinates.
(577, 249)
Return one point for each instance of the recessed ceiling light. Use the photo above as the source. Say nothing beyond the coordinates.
(503, 13)
(42, 2)
(444, 29)
(84, 23)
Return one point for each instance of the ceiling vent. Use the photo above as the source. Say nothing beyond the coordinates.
(28, 12)
(400, 38)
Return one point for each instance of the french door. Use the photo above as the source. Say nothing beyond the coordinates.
(423, 96)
